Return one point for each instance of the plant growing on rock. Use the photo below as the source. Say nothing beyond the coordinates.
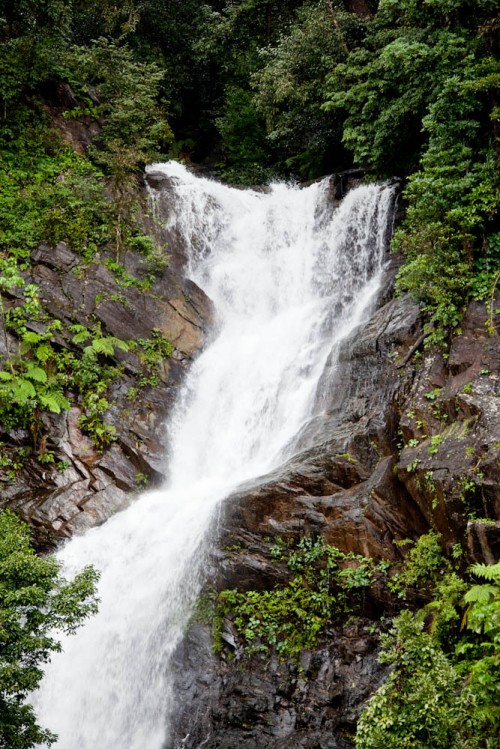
(442, 691)
(325, 584)
(30, 385)
(92, 423)
(419, 706)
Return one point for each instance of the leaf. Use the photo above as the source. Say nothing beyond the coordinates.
(481, 593)
(81, 336)
(37, 374)
(50, 402)
(103, 346)
(486, 571)
(30, 337)
(61, 400)
(77, 328)
(44, 352)
(5, 376)
(122, 345)
(22, 391)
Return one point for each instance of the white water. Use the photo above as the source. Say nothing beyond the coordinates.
(288, 279)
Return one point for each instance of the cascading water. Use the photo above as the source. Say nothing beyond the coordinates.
(289, 278)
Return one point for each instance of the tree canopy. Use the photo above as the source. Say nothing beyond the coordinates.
(36, 604)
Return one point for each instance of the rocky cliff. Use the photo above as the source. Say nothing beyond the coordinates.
(82, 486)
(404, 440)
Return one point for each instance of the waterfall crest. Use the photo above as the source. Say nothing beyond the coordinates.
(289, 279)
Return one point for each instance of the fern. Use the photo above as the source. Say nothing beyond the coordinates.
(31, 338)
(481, 593)
(487, 571)
(37, 374)
(44, 352)
(81, 335)
(122, 345)
(22, 391)
(483, 610)
(61, 400)
(54, 402)
(77, 328)
(103, 346)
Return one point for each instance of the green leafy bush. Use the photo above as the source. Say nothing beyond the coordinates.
(36, 604)
(326, 584)
(420, 705)
(443, 689)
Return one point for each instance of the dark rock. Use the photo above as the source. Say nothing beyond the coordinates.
(93, 486)
(483, 540)
(268, 704)
(158, 180)
(348, 484)
(450, 424)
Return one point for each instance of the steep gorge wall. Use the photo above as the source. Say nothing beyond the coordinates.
(83, 486)
(401, 443)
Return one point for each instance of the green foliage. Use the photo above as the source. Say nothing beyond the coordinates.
(418, 98)
(128, 89)
(229, 51)
(99, 344)
(92, 423)
(153, 351)
(420, 705)
(482, 656)
(425, 560)
(29, 385)
(134, 125)
(290, 88)
(443, 688)
(435, 442)
(11, 461)
(30, 31)
(37, 379)
(36, 604)
(326, 584)
(47, 192)
(385, 87)
(245, 148)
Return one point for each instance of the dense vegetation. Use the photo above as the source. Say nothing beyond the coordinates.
(262, 88)
(443, 688)
(36, 605)
(254, 89)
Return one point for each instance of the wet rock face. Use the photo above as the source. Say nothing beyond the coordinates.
(342, 483)
(450, 423)
(269, 704)
(90, 485)
(358, 480)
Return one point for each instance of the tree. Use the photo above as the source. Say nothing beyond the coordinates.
(36, 603)
(385, 87)
(32, 34)
(419, 100)
(290, 89)
(443, 689)
(134, 125)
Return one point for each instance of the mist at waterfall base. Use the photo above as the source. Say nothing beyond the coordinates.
(289, 278)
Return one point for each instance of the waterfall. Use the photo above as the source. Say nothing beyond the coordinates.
(289, 277)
